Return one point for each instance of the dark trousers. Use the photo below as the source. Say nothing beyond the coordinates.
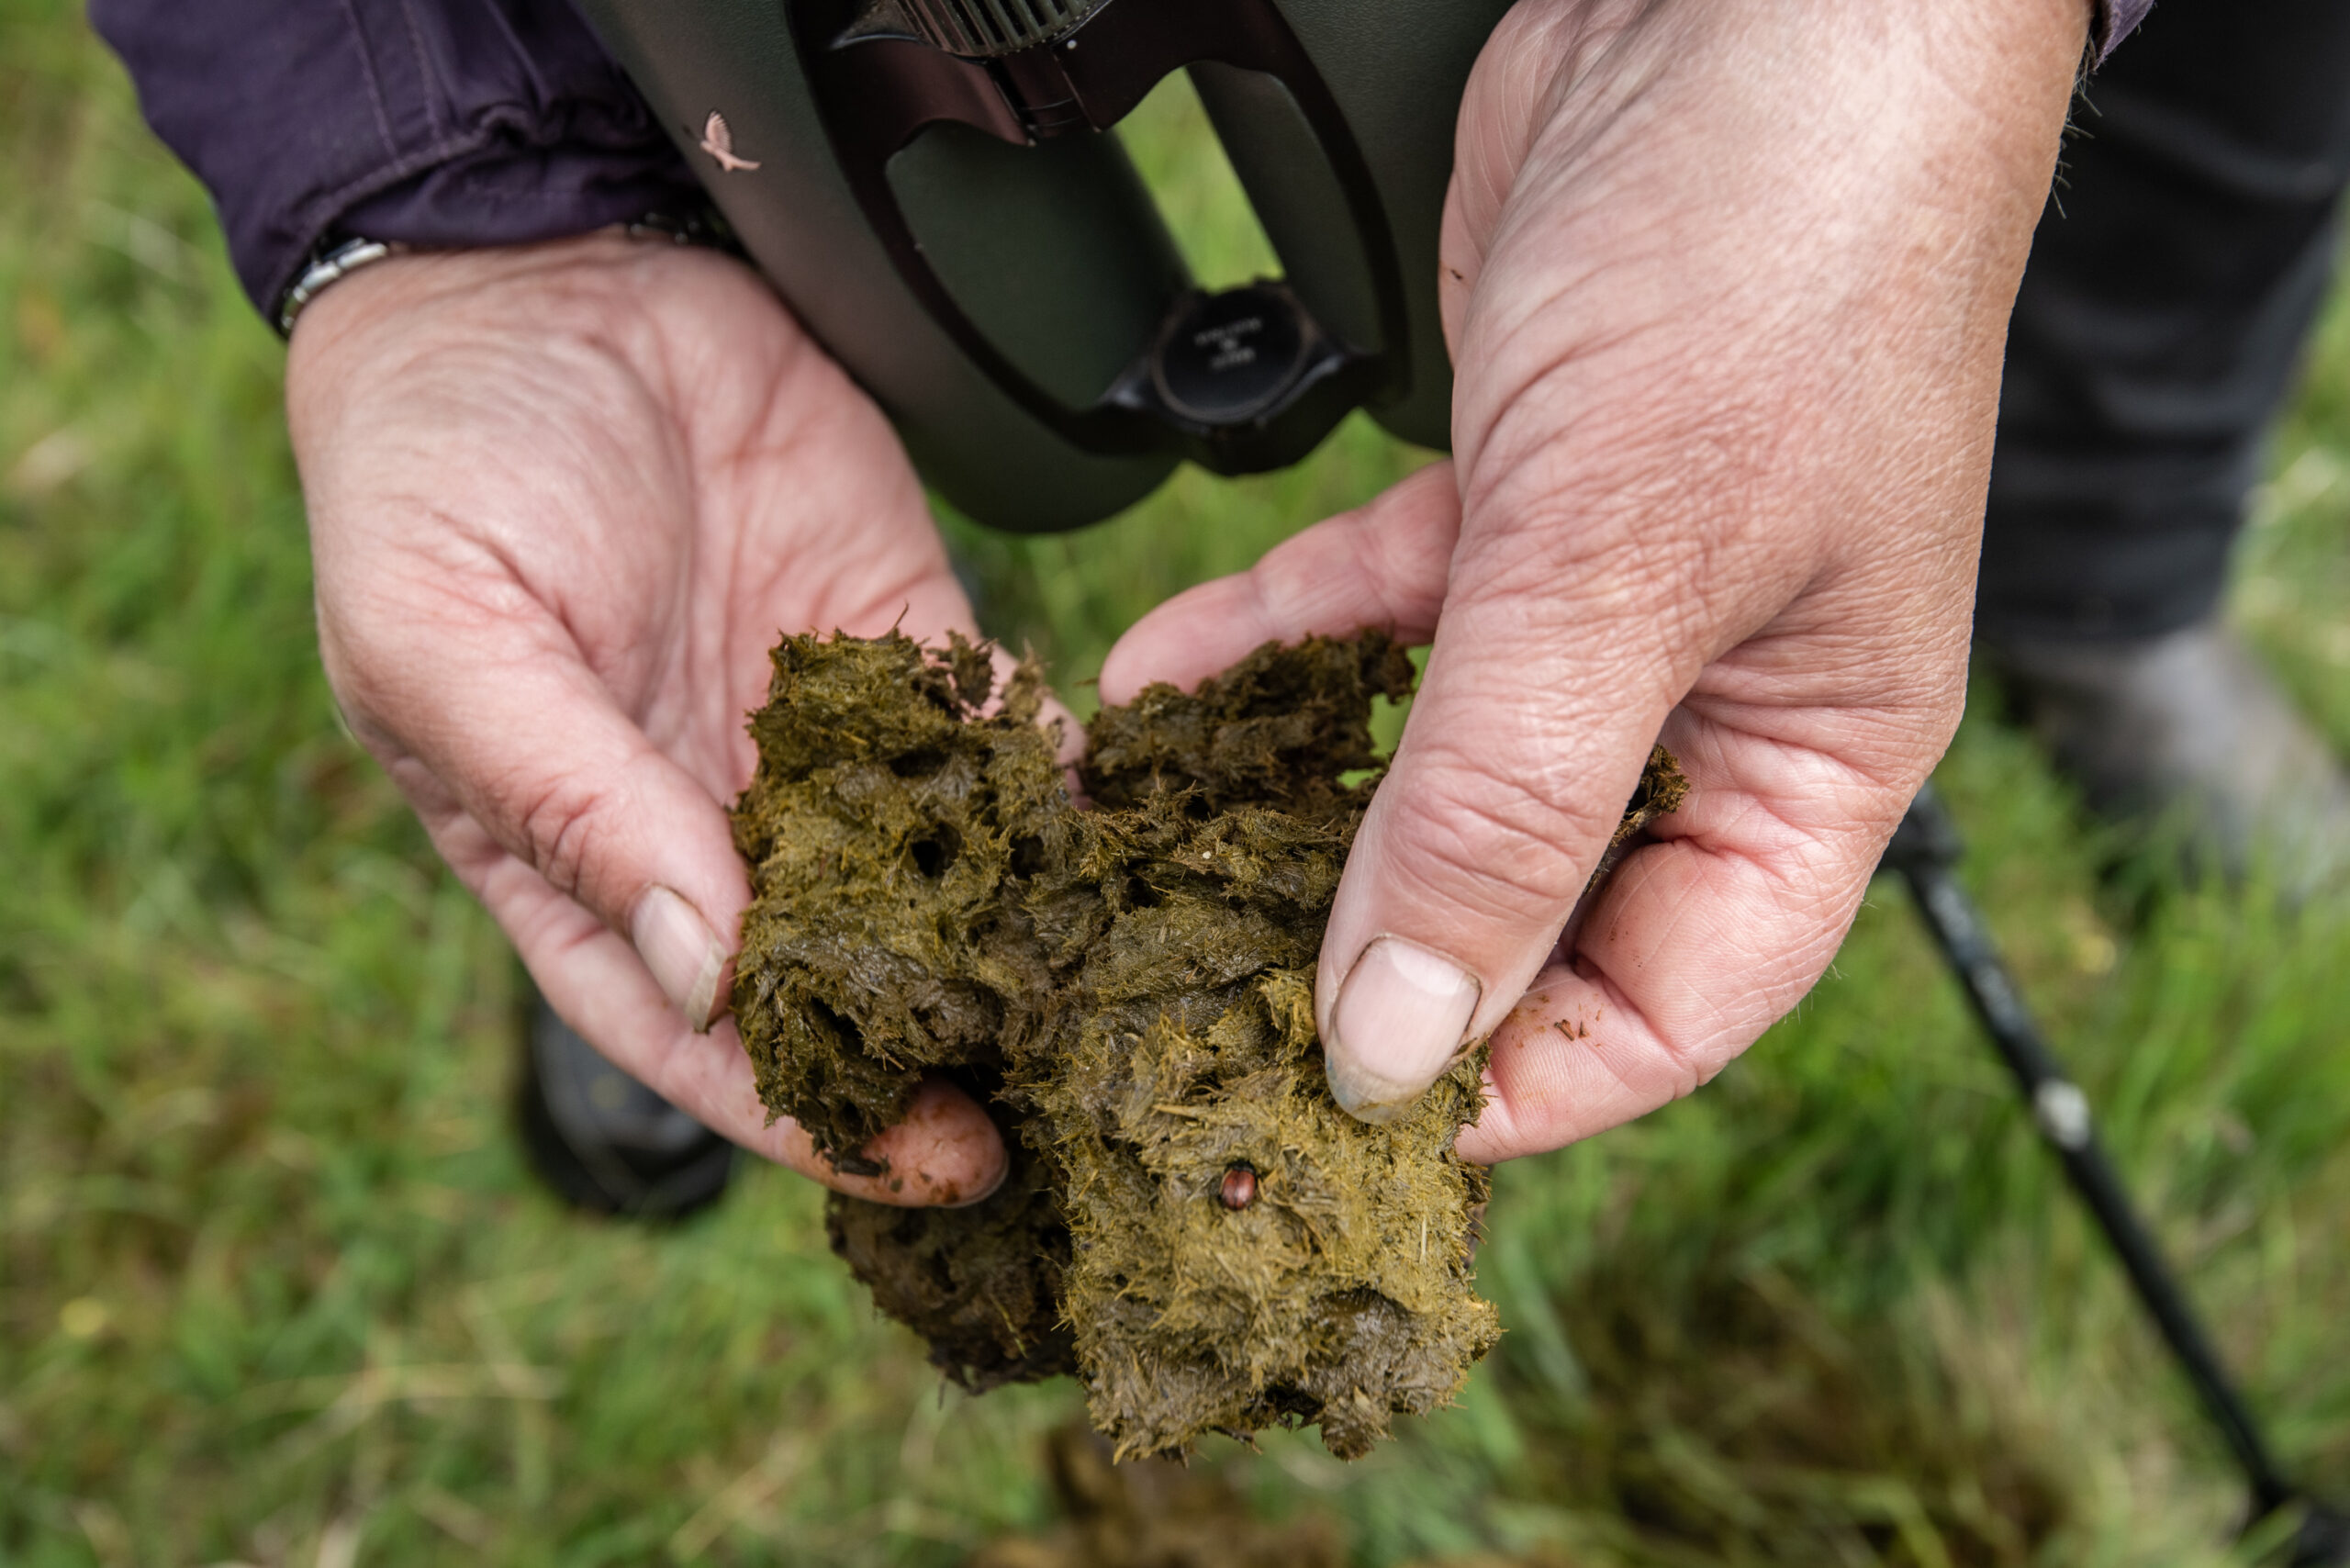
(2173, 278)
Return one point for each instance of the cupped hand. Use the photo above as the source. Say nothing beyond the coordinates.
(562, 500)
(1726, 285)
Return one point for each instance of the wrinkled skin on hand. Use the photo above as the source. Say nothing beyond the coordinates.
(1194, 1226)
(1727, 283)
(561, 499)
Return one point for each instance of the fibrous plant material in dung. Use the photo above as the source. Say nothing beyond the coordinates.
(1192, 1225)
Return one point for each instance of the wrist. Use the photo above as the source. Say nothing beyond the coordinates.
(339, 256)
(328, 265)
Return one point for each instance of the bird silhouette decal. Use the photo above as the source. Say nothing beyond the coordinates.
(718, 140)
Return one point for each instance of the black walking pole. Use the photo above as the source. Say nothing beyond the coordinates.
(1925, 851)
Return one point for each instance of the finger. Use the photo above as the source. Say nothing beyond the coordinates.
(945, 1152)
(1693, 946)
(1381, 564)
(1544, 691)
(498, 719)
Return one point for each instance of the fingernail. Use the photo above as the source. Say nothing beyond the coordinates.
(684, 953)
(1399, 1019)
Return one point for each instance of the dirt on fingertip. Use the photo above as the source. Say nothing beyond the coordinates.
(1191, 1227)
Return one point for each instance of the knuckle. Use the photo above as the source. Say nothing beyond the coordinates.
(1493, 845)
(558, 823)
(1292, 577)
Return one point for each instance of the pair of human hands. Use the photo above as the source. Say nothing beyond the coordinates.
(1725, 282)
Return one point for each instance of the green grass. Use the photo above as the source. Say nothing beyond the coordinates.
(275, 1288)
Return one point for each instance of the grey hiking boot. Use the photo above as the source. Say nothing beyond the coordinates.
(2187, 732)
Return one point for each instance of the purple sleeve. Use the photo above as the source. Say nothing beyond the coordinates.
(2112, 22)
(430, 122)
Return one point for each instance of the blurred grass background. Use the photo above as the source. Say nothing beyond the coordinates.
(275, 1288)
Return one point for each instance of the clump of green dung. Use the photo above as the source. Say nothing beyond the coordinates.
(1192, 1225)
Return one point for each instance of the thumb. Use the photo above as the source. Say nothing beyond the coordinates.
(1526, 738)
